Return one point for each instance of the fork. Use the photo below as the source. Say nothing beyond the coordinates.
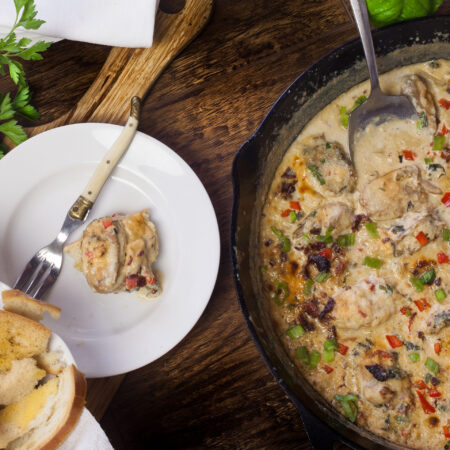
(43, 268)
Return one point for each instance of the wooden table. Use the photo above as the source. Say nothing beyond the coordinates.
(212, 389)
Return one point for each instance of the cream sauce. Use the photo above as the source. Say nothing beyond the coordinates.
(387, 374)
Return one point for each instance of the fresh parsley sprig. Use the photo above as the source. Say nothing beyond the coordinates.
(11, 52)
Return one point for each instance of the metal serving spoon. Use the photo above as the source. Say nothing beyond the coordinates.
(379, 107)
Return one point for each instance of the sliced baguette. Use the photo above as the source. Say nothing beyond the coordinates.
(19, 381)
(17, 302)
(20, 338)
(44, 418)
(51, 362)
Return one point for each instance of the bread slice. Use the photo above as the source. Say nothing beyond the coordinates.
(19, 381)
(20, 338)
(45, 417)
(17, 302)
(51, 362)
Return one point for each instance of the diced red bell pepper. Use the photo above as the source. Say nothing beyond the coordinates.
(434, 393)
(427, 408)
(406, 310)
(442, 258)
(295, 206)
(446, 431)
(326, 252)
(327, 369)
(446, 199)
(151, 280)
(444, 103)
(444, 131)
(437, 348)
(107, 223)
(421, 304)
(420, 384)
(285, 213)
(131, 281)
(422, 238)
(342, 349)
(408, 154)
(394, 341)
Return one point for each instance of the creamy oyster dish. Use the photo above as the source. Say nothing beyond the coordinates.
(354, 260)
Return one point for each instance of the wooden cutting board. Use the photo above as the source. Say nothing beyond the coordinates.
(125, 73)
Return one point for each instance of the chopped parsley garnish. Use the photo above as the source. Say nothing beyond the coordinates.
(316, 173)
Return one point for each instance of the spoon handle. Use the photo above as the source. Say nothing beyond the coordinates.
(359, 8)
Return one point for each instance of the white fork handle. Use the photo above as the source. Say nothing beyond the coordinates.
(110, 160)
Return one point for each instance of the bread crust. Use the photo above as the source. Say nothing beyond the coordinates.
(20, 303)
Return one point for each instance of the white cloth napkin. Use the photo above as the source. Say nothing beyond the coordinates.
(87, 435)
(121, 23)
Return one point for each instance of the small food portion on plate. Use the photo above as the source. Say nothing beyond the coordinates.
(116, 253)
(355, 260)
(41, 396)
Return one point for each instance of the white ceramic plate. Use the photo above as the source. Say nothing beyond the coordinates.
(110, 334)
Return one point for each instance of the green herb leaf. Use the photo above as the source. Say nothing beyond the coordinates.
(432, 366)
(13, 131)
(316, 173)
(6, 108)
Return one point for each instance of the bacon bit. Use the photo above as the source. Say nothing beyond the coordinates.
(130, 260)
(406, 310)
(394, 341)
(326, 252)
(408, 154)
(327, 369)
(383, 354)
(141, 253)
(295, 206)
(437, 348)
(363, 314)
(285, 213)
(142, 281)
(372, 287)
(446, 199)
(446, 431)
(342, 349)
(444, 131)
(434, 393)
(106, 223)
(131, 282)
(411, 320)
(442, 258)
(421, 304)
(444, 103)
(420, 384)
(427, 408)
(422, 238)
(151, 280)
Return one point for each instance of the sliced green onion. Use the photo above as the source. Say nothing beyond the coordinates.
(446, 234)
(322, 277)
(417, 284)
(440, 295)
(428, 277)
(371, 228)
(328, 355)
(423, 121)
(301, 353)
(307, 288)
(293, 216)
(330, 344)
(316, 173)
(343, 116)
(327, 145)
(438, 142)
(348, 403)
(373, 263)
(388, 289)
(327, 238)
(359, 101)
(414, 357)
(306, 237)
(314, 358)
(282, 292)
(295, 331)
(282, 238)
(432, 366)
(346, 240)
(428, 161)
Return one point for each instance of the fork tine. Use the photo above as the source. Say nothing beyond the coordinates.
(47, 283)
(39, 276)
(27, 276)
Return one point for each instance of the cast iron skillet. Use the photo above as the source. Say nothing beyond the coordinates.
(253, 170)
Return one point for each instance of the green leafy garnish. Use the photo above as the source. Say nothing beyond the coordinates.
(414, 357)
(322, 277)
(302, 354)
(11, 52)
(326, 238)
(385, 12)
(285, 242)
(348, 403)
(344, 114)
(281, 293)
(316, 173)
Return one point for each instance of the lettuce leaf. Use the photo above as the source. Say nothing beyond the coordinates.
(385, 12)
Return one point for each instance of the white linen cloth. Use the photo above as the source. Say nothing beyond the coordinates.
(121, 23)
(87, 435)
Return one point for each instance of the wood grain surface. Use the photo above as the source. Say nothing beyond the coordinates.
(212, 390)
